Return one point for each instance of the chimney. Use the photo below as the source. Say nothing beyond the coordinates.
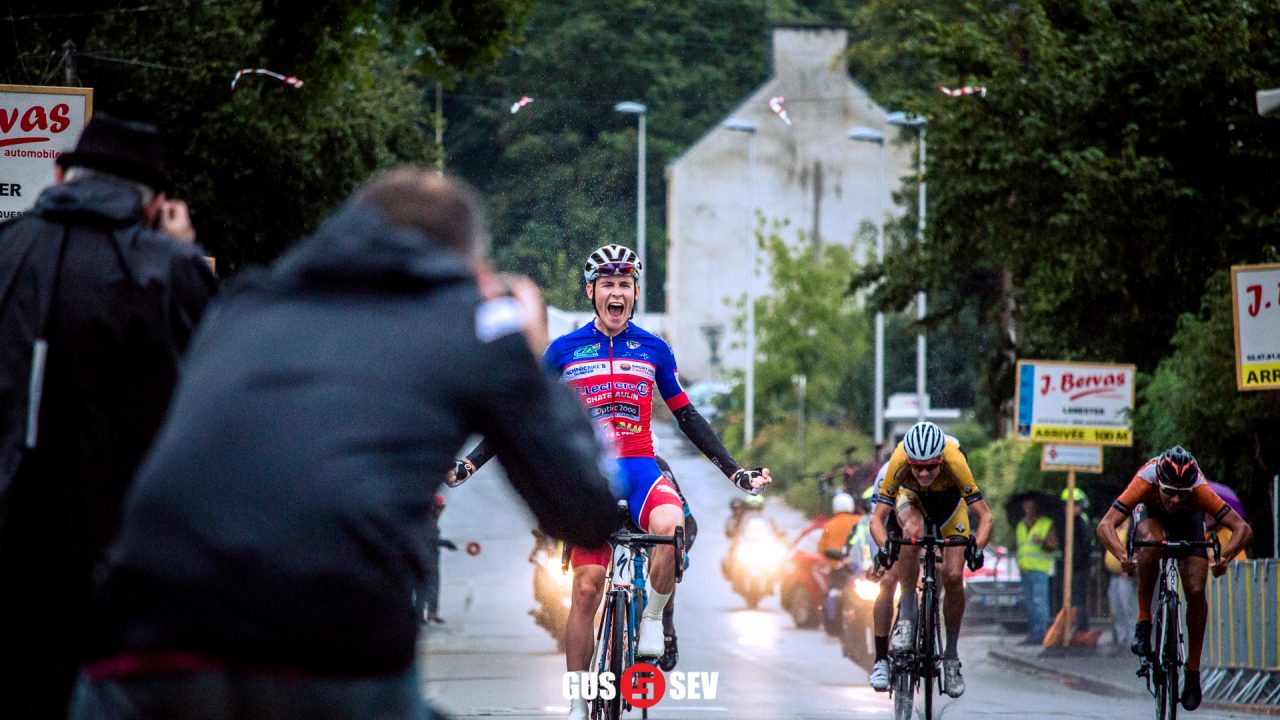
(809, 51)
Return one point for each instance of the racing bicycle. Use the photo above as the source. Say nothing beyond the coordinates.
(1161, 669)
(624, 602)
(921, 665)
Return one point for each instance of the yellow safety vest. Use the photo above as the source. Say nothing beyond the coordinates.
(1032, 557)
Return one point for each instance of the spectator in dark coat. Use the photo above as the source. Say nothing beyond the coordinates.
(429, 604)
(276, 533)
(100, 287)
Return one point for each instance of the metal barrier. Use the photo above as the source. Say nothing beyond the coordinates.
(1242, 636)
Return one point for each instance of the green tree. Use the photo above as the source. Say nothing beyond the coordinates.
(263, 165)
(809, 325)
(1115, 161)
(1192, 400)
(561, 173)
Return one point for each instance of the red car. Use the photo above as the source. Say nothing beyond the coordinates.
(804, 579)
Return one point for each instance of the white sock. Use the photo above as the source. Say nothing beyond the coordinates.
(657, 603)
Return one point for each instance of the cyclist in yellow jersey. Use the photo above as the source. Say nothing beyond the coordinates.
(928, 480)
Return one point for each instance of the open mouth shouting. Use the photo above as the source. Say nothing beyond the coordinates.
(613, 298)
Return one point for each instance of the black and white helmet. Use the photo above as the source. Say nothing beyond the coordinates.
(611, 260)
(924, 442)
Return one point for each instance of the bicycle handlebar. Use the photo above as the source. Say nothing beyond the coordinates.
(1171, 546)
(626, 538)
(895, 541)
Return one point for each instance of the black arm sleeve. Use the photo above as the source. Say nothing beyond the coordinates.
(699, 431)
(480, 454)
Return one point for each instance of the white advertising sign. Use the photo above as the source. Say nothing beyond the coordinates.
(37, 125)
(1081, 458)
(1074, 403)
(1255, 297)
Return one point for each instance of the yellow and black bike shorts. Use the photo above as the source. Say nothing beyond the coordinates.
(946, 508)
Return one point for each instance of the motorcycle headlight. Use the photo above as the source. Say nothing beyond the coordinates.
(558, 575)
(866, 589)
(762, 556)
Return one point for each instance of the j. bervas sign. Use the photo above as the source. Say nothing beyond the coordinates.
(1074, 403)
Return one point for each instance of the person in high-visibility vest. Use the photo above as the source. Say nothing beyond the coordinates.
(1037, 541)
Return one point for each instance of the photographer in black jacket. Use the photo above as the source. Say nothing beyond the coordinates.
(276, 533)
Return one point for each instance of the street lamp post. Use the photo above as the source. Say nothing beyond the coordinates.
(871, 135)
(749, 391)
(638, 109)
(920, 124)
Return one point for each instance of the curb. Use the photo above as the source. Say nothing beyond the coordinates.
(1071, 679)
(1103, 687)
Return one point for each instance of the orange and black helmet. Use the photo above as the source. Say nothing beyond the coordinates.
(1176, 469)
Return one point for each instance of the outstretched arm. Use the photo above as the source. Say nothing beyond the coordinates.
(469, 465)
(699, 431)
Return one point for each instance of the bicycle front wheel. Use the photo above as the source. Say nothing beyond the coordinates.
(1169, 660)
(601, 659)
(903, 702)
(621, 634)
(927, 645)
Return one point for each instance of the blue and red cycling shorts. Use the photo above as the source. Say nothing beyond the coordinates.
(645, 488)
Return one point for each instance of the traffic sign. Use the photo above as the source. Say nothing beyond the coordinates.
(1081, 458)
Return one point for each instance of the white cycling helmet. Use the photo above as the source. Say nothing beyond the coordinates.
(611, 260)
(841, 502)
(924, 442)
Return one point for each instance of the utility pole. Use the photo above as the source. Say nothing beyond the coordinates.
(69, 63)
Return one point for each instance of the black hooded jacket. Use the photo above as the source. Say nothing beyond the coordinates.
(282, 517)
(115, 302)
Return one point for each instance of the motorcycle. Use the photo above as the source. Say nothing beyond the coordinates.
(851, 602)
(552, 586)
(756, 557)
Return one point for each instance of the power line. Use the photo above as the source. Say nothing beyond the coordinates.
(104, 13)
(122, 61)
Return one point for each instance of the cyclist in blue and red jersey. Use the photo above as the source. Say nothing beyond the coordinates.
(616, 368)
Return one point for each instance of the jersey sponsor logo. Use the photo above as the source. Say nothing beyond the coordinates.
(626, 411)
(597, 388)
(630, 428)
(968, 489)
(633, 344)
(585, 369)
(618, 410)
(636, 368)
(643, 389)
(960, 527)
(587, 351)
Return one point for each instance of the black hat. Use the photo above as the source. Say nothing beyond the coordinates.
(120, 147)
